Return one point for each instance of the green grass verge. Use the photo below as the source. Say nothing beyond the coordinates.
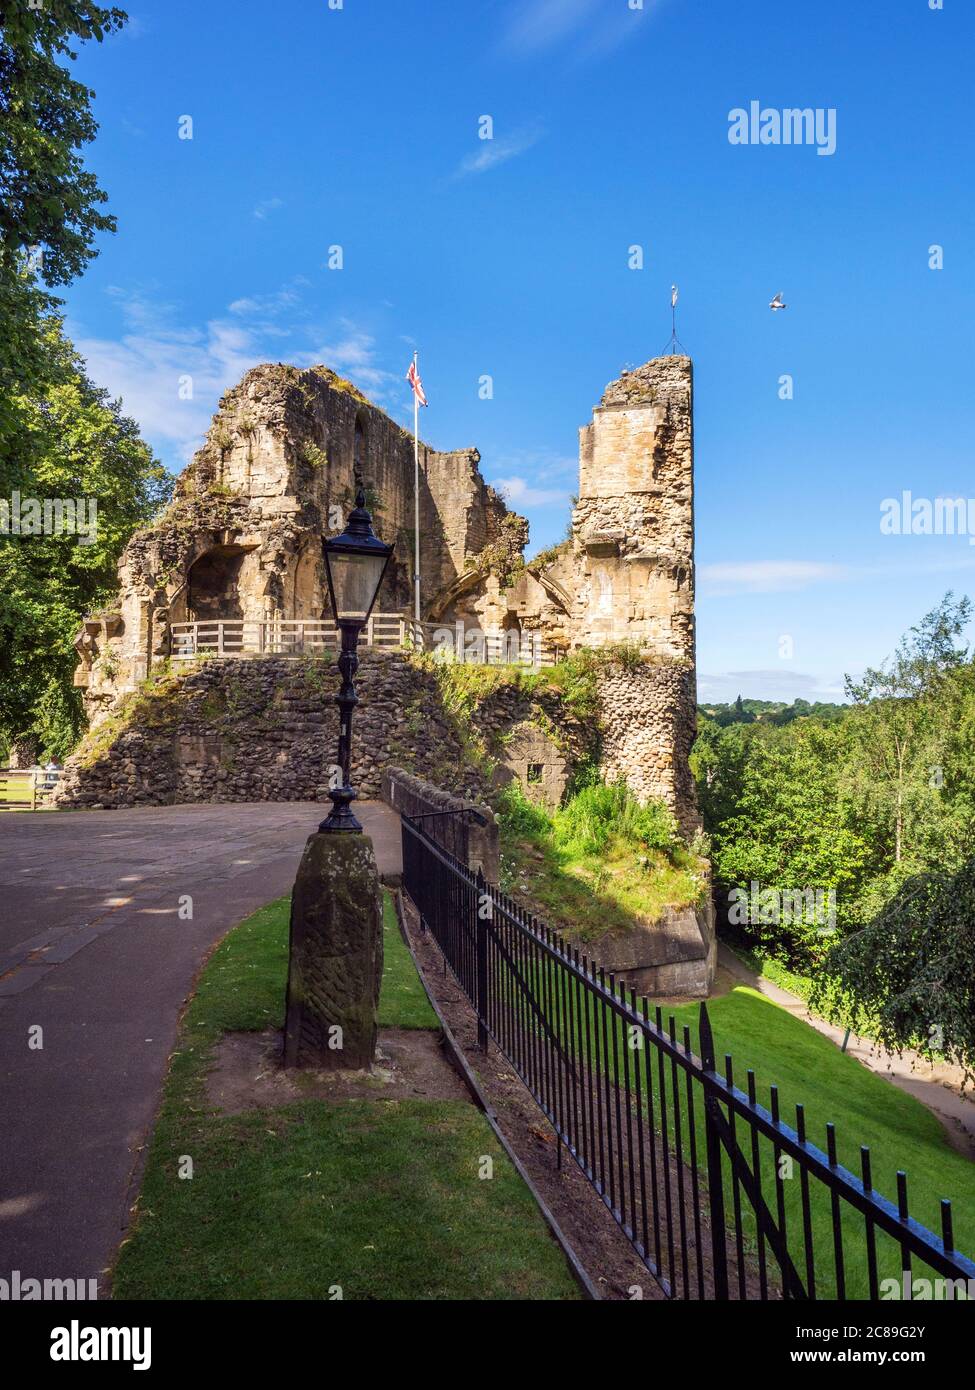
(809, 1069)
(382, 1199)
(403, 1002)
(773, 970)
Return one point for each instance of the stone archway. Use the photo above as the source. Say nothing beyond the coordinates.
(213, 586)
(306, 592)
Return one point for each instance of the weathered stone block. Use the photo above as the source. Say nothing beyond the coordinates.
(335, 966)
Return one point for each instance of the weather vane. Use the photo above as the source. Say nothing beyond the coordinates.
(675, 345)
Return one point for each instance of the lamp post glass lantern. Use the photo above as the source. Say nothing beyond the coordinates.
(355, 563)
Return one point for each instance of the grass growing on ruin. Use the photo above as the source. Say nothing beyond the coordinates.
(380, 1199)
(600, 863)
(465, 685)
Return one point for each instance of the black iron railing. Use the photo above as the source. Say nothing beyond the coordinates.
(717, 1194)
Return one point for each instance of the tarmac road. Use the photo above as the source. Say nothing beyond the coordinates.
(94, 950)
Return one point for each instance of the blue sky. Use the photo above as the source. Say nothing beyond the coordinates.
(358, 127)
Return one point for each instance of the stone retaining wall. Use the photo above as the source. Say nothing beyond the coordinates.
(265, 729)
(475, 845)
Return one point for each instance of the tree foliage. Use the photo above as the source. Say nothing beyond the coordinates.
(771, 804)
(878, 805)
(60, 435)
(75, 444)
(47, 197)
(50, 205)
(900, 734)
(908, 978)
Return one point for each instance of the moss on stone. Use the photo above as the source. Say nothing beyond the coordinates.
(339, 383)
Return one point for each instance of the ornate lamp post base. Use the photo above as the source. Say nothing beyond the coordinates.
(340, 819)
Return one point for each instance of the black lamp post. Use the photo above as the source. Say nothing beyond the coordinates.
(355, 563)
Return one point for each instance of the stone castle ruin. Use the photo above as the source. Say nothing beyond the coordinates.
(233, 571)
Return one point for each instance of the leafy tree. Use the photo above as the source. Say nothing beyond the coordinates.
(47, 197)
(50, 205)
(60, 436)
(770, 801)
(908, 978)
(862, 803)
(898, 732)
(76, 444)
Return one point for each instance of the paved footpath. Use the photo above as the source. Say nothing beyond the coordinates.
(93, 950)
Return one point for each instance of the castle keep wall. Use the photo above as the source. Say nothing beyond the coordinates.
(242, 540)
(278, 471)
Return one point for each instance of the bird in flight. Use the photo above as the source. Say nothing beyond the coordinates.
(778, 303)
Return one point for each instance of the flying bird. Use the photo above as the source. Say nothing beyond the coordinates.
(778, 303)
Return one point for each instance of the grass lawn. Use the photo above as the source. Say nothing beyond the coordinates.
(901, 1132)
(381, 1199)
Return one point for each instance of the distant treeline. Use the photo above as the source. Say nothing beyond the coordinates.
(769, 711)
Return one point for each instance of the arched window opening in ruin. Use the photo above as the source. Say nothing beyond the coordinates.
(359, 453)
(306, 591)
(213, 584)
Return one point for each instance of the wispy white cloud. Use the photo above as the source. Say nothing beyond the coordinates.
(498, 151)
(268, 305)
(355, 353)
(537, 24)
(783, 576)
(520, 492)
(539, 465)
(775, 683)
(593, 28)
(154, 358)
(267, 206)
(767, 576)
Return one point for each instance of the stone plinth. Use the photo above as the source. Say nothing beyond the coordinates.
(336, 955)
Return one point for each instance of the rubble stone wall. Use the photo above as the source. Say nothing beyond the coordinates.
(648, 716)
(266, 729)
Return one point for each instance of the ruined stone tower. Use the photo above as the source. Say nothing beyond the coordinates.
(626, 571)
(241, 543)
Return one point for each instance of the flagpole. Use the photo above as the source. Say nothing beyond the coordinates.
(416, 499)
